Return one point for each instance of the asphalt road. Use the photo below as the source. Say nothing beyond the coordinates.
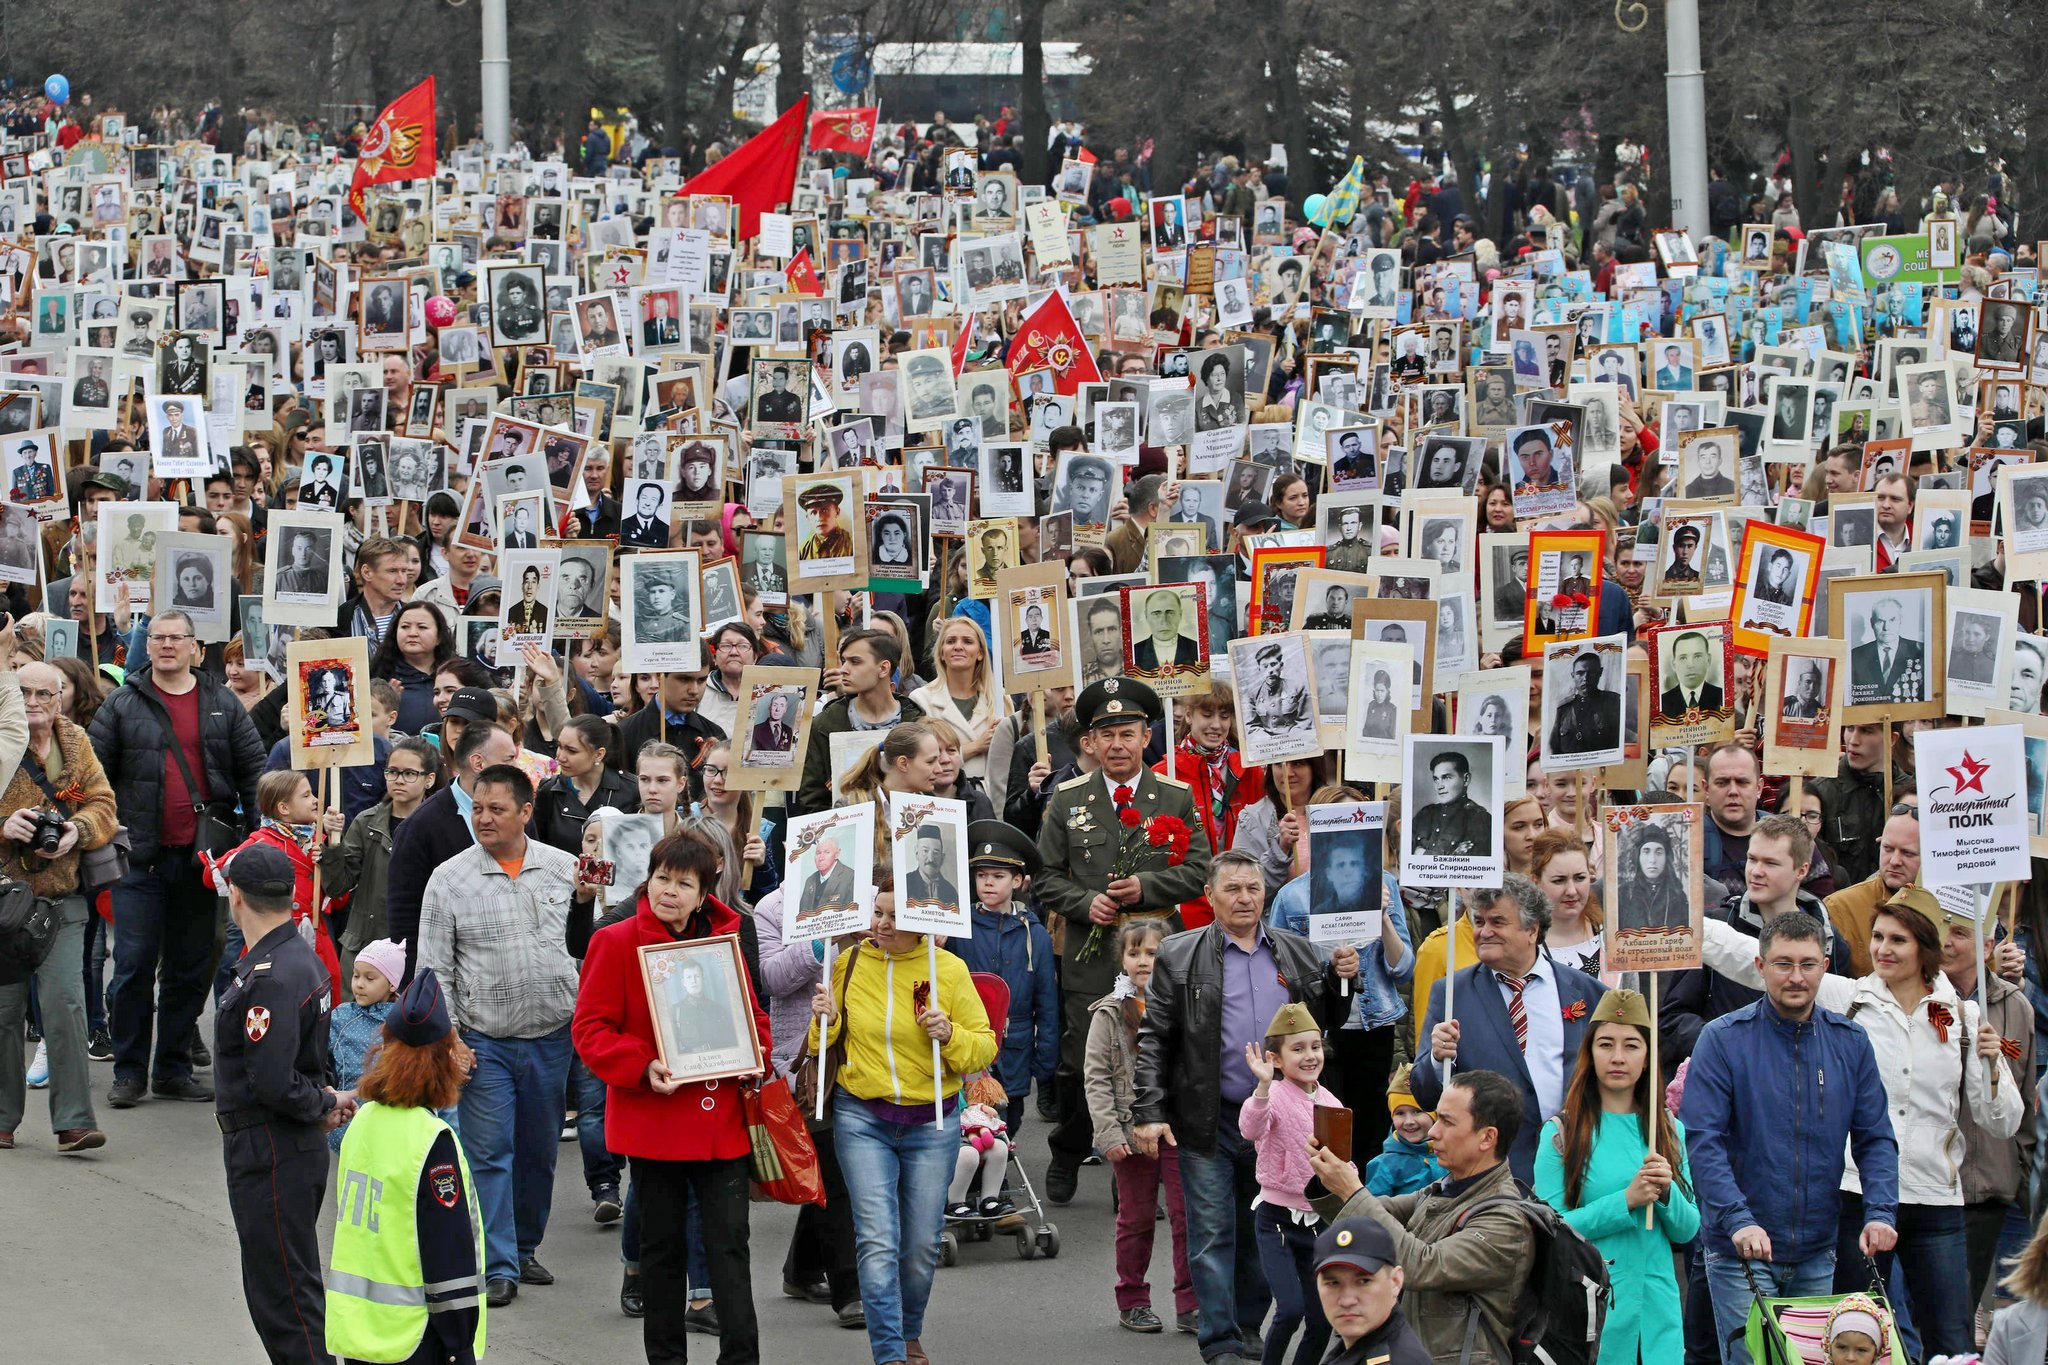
(127, 1256)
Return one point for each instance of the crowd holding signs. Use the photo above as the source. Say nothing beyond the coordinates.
(1508, 628)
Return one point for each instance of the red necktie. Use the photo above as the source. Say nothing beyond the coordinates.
(1517, 1016)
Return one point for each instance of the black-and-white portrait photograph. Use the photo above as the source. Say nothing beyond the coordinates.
(1889, 630)
(1085, 485)
(658, 594)
(517, 295)
(1276, 710)
(644, 514)
(2026, 516)
(762, 567)
(303, 568)
(1449, 463)
(1582, 702)
(580, 605)
(2002, 334)
(1450, 811)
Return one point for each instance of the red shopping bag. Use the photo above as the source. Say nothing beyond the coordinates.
(785, 1160)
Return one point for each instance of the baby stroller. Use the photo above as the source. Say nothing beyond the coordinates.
(1035, 1236)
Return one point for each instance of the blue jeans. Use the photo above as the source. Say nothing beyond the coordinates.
(699, 1262)
(1229, 1285)
(97, 944)
(1287, 1254)
(511, 1129)
(1932, 1259)
(896, 1175)
(600, 1167)
(164, 920)
(1813, 1276)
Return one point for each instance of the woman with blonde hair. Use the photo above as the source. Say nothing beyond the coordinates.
(963, 690)
(952, 780)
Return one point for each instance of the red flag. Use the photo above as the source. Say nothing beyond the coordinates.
(845, 130)
(962, 344)
(802, 276)
(1084, 156)
(1049, 338)
(399, 145)
(760, 173)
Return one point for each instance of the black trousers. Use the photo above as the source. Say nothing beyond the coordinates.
(1361, 1061)
(822, 1246)
(721, 1191)
(277, 1176)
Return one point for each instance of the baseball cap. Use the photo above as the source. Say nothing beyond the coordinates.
(1358, 1242)
(473, 703)
(261, 870)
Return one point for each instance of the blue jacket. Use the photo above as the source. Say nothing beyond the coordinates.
(1486, 1042)
(1402, 1167)
(1017, 948)
(1379, 987)
(1769, 1105)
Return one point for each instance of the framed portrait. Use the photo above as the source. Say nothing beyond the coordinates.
(1323, 598)
(1450, 811)
(2034, 743)
(1032, 623)
(928, 838)
(829, 531)
(1894, 626)
(1563, 587)
(772, 728)
(829, 861)
(779, 394)
(2023, 513)
(386, 317)
(1276, 710)
(660, 601)
(930, 397)
(1496, 703)
(20, 552)
(1583, 681)
(1982, 626)
(517, 295)
(197, 573)
(178, 438)
(1347, 888)
(991, 549)
(1086, 486)
(1375, 723)
(702, 1011)
(302, 568)
(1803, 684)
(1655, 856)
(722, 600)
(327, 703)
(1274, 570)
(1776, 576)
(582, 582)
(952, 493)
(1166, 639)
(526, 605)
(1399, 621)
(1692, 671)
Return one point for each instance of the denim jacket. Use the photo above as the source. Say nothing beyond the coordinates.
(1379, 986)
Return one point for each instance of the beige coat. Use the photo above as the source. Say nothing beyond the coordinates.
(1449, 1269)
(1109, 1071)
(83, 786)
(938, 702)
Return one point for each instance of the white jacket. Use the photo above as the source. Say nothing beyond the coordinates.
(1921, 1070)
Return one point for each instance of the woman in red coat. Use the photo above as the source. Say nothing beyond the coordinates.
(684, 1137)
(1214, 772)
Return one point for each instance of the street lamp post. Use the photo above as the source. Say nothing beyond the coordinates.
(497, 78)
(1685, 103)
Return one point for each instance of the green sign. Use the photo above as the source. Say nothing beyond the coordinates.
(1898, 260)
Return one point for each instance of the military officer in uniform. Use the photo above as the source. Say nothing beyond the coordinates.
(273, 1100)
(1276, 704)
(1078, 845)
(830, 540)
(779, 404)
(1454, 825)
(1589, 720)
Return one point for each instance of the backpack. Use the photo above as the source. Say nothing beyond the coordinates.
(1561, 1307)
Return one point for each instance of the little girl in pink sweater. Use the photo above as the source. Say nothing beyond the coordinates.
(1279, 1121)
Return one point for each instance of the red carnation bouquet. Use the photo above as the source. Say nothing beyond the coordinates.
(1142, 843)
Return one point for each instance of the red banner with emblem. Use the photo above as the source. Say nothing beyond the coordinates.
(399, 145)
(1049, 339)
(845, 130)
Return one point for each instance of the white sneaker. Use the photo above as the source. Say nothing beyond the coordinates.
(39, 1069)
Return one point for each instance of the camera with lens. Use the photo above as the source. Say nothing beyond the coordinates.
(49, 833)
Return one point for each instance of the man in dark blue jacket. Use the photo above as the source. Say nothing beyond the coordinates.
(1765, 1137)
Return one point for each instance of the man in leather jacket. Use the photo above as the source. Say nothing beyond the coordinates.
(1213, 990)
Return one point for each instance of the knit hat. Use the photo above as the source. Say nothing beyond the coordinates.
(1401, 1090)
(1622, 1007)
(1859, 1313)
(387, 955)
(1292, 1019)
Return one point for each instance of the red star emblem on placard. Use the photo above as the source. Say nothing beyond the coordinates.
(1969, 774)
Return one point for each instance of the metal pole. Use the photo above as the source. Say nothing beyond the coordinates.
(1685, 102)
(497, 78)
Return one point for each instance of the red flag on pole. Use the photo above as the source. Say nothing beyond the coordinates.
(845, 130)
(760, 173)
(399, 145)
(1049, 338)
(802, 276)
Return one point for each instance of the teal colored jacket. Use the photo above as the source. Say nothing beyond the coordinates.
(1402, 1167)
(1646, 1312)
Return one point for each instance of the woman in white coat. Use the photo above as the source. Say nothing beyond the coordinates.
(1924, 1038)
(963, 691)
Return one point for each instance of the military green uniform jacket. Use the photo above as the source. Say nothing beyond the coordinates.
(1079, 842)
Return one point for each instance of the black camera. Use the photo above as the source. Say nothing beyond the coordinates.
(49, 833)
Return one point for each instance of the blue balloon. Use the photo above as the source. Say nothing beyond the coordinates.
(57, 88)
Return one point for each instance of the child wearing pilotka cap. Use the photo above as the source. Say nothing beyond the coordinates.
(1279, 1120)
(1405, 1164)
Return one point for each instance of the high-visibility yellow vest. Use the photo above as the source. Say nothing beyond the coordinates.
(377, 1295)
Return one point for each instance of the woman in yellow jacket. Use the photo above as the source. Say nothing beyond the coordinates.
(885, 1009)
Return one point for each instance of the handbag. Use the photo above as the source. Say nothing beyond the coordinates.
(814, 1072)
(28, 930)
(98, 868)
(214, 833)
(785, 1160)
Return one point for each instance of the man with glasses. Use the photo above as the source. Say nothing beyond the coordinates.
(361, 862)
(164, 916)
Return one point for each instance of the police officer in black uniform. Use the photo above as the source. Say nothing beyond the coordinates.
(275, 1101)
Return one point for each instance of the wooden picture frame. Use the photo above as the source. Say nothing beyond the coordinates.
(1918, 668)
(688, 1035)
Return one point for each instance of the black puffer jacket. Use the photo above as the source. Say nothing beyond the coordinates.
(1180, 1043)
(129, 737)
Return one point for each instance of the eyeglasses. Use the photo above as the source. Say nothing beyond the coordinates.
(156, 639)
(39, 694)
(710, 771)
(395, 773)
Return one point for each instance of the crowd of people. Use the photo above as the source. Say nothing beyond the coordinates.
(1611, 580)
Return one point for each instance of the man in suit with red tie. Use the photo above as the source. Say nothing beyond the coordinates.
(1518, 1012)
